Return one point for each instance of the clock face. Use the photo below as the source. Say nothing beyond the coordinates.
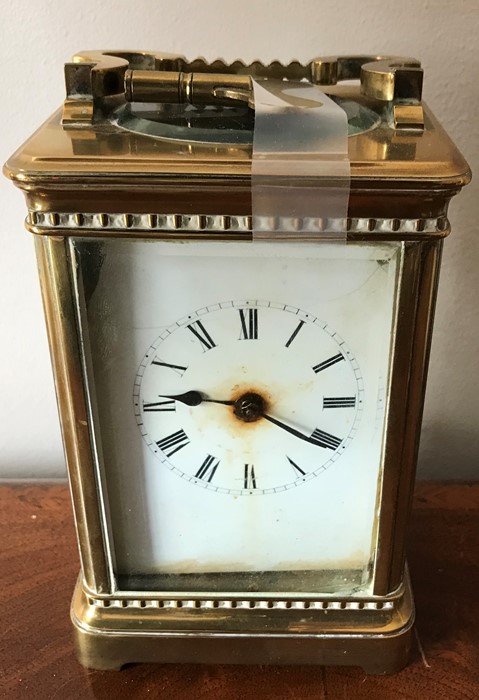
(238, 395)
(278, 389)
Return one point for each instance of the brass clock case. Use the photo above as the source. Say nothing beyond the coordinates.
(86, 173)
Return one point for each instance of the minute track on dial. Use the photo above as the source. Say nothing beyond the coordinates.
(259, 360)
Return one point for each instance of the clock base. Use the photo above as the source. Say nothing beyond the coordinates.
(373, 633)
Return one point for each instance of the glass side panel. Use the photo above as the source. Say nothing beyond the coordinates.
(238, 393)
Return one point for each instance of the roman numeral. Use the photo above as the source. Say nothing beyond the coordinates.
(198, 329)
(168, 405)
(295, 333)
(328, 363)
(249, 481)
(177, 368)
(174, 442)
(297, 469)
(319, 437)
(339, 402)
(249, 324)
(207, 469)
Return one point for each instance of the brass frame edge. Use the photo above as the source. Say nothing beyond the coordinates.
(64, 342)
(430, 262)
(411, 339)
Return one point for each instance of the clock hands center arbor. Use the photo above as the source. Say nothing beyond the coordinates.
(251, 407)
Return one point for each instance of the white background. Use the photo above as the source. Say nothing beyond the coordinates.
(38, 36)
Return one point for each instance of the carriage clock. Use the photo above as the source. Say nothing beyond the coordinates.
(239, 268)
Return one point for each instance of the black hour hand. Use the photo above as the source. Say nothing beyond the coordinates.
(193, 398)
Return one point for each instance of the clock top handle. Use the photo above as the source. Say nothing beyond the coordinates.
(97, 79)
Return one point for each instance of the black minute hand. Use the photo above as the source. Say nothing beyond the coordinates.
(317, 437)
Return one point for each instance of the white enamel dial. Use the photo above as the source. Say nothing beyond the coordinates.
(192, 329)
(290, 388)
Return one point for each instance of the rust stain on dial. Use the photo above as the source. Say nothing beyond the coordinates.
(247, 391)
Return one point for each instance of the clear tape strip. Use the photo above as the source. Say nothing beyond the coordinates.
(300, 164)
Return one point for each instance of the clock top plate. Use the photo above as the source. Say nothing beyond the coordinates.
(110, 140)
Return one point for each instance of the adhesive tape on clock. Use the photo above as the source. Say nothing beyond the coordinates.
(300, 166)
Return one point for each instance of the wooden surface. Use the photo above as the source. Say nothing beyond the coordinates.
(39, 565)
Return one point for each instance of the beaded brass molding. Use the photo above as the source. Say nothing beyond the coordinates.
(179, 603)
(44, 222)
